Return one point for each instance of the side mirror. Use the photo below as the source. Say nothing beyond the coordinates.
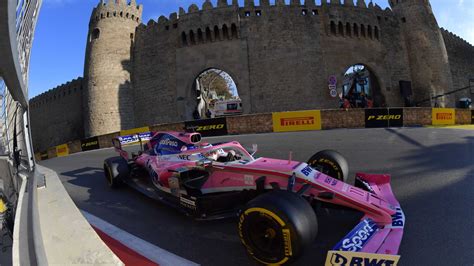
(254, 149)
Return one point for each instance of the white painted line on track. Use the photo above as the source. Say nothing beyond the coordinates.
(146, 249)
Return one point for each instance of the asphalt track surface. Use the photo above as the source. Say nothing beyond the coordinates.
(432, 177)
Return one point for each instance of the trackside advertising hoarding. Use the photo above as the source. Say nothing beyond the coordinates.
(131, 136)
(135, 138)
(90, 144)
(134, 131)
(360, 259)
(383, 117)
(208, 127)
(443, 116)
(62, 150)
(296, 121)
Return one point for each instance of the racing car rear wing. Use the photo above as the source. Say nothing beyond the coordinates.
(118, 148)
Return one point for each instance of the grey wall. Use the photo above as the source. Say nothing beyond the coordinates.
(461, 60)
(279, 57)
(57, 115)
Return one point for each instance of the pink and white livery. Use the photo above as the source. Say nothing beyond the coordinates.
(271, 197)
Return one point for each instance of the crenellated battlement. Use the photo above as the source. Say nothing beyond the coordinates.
(394, 3)
(207, 6)
(226, 14)
(55, 95)
(455, 39)
(117, 9)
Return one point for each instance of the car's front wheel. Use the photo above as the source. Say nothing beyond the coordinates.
(331, 163)
(276, 227)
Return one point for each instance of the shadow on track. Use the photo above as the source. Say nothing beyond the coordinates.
(431, 183)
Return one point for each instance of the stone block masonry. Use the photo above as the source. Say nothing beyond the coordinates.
(57, 115)
(279, 55)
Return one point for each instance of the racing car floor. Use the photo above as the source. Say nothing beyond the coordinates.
(432, 177)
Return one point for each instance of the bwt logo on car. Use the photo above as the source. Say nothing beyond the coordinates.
(297, 121)
(340, 260)
(398, 219)
(361, 234)
(169, 142)
(385, 117)
(444, 116)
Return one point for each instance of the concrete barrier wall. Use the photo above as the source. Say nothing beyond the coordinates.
(105, 141)
(343, 118)
(74, 146)
(463, 116)
(246, 124)
(417, 117)
(52, 152)
(263, 123)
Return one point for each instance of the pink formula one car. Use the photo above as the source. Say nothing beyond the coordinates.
(271, 197)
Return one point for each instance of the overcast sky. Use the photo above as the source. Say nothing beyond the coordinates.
(60, 39)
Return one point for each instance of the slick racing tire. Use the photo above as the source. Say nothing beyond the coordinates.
(116, 169)
(331, 163)
(276, 227)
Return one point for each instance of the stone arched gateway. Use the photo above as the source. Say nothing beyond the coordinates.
(373, 88)
(215, 94)
(187, 70)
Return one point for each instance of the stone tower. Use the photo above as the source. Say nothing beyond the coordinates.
(427, 54)
(108, 95)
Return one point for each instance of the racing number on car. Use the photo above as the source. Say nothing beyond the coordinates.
(307, 170)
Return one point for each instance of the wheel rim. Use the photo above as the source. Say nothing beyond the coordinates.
(265, 235)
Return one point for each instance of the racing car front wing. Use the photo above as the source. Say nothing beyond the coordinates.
(367, 237)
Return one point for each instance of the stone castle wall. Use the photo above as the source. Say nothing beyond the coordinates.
(57, 115)
(461, 60)
(280, 57)
(108, 97)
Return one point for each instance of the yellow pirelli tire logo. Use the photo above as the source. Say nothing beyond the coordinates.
(296, 121)
(347, 258)
(443, 116)
(284, 231)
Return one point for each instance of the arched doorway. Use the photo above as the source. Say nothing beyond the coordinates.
(216, 95)
(361, 88)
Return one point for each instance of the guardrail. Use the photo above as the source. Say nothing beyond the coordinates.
(283, 122)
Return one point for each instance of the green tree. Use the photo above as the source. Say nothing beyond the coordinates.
(213, 80)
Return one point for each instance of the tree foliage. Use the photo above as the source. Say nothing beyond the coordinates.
(215, 80)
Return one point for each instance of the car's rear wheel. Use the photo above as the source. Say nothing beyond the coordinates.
(331, 163)
(116, 169)
(276, 227)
